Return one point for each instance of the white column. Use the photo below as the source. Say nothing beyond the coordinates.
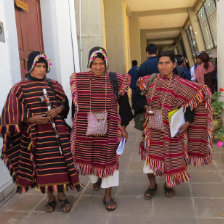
(143, 46)
(135, 38)
(90, 27)
(10, 74)
(115, 35)
(220, 43)
(58, 36)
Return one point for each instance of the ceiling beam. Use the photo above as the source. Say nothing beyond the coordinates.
(162, 30)
(198, 4)
(162, 39)
(161, 12)
(161, 44)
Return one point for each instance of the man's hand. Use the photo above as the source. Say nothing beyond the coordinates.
(148, 110)
(184, 128)
(38, 119)
(55, 111)
(124, 133)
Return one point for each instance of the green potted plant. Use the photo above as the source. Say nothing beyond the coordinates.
(219, 134)
(218, 107)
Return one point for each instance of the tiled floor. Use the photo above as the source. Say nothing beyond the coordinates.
(201, 201)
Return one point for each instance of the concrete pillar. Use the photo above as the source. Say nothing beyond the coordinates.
(187, 47)
(179, 48)
(90, 27)
(115, 35)
(220, 43)
(197, 30)
(176, 51)
(135, 38)
(143, 42)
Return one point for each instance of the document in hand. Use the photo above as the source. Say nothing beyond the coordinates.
(120, 148)
(176, 120)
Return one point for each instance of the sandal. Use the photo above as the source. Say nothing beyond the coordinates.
(150, 193)
(97, 185)
(108, 203)
(169, 191)
(65, 205)
(50, 206)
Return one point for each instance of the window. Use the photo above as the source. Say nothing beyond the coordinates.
(191, 40)
(207, 20)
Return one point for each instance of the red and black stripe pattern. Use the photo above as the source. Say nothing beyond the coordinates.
(31, 152)
(96, 155)
(169, 156)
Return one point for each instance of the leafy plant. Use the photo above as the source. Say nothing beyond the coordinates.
(218, 106)
(220, 134)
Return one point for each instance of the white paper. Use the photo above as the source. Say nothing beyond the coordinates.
(120, 148)
(177, 120)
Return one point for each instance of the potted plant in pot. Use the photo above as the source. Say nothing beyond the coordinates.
(218, 107)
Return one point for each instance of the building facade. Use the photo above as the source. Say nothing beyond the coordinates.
(66, 30)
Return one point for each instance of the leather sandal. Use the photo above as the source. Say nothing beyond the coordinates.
(97, 185)
(169, 192)
(150, 193)
(108, 203)
(50, 206)
(65, 205)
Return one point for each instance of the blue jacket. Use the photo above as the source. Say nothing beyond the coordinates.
(133, 72)
(149, 66)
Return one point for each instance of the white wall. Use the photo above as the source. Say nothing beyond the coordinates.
(56, 26)
(9, 68)
(220, 42)
(89, 17)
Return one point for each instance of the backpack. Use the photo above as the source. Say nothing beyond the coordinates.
(113, 80)
(139, 118)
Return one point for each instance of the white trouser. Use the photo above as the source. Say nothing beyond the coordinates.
(110, 181)
(146, 168)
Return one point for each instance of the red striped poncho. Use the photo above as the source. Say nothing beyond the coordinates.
(169, 156)
(96, 155)
(31, 152)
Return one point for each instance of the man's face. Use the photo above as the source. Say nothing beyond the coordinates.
(98, 67)
(166, 66)
(39, 71)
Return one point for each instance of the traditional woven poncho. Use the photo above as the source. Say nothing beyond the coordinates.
(31, 152)
(96, 155)
(170, 156)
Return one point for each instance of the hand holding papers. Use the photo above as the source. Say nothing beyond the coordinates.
(176, 120)
(120, 148)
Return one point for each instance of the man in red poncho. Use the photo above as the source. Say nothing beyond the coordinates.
(163, 154)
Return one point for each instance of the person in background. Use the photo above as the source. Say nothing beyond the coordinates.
(133, 72)
(192, 70)
(181, 68)
(150, 66)
(205, 72)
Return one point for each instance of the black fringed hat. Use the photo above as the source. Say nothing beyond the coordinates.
(37, 57)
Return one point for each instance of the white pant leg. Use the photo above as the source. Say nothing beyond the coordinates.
(146, 168)
(111, 181)
(93, 179)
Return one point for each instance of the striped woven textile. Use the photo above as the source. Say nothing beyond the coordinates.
(31, 152)
(96, 155)
(169, 156)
